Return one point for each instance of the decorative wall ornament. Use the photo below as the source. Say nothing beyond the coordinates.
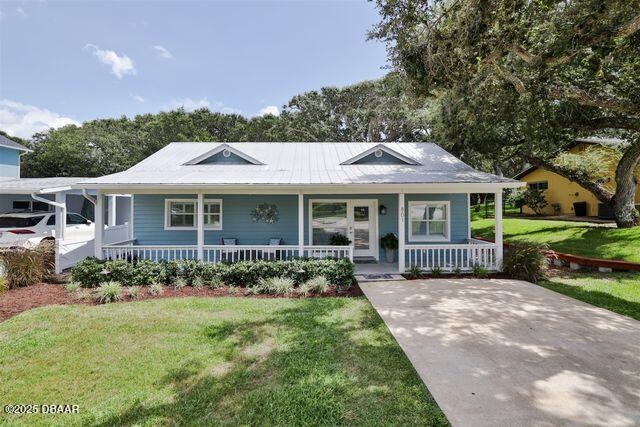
(268, 213)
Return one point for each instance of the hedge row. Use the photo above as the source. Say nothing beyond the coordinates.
(91, 272)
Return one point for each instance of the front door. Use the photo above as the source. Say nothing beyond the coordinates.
(362, 228)
(356, 219)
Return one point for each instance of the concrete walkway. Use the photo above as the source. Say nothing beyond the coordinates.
(505, 352)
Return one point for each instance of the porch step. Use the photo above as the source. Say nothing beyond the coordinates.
(364, 260)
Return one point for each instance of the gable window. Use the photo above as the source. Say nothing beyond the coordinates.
(181, 214)
(429, 221)
(540, 185)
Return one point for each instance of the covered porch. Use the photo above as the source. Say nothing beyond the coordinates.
(432, 226)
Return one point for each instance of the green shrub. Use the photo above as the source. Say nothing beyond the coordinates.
(118, 271)
(216, 283)
(145, 272)
(109, 292)
(198, 283)
(317, 285)
(414, 271)
(180, 283)
(167, 272)
(89, 272)
(480, 272)
(525, 261)
(436, 271)
(22, 267)
(273, 285)
(156, 289)
(3, 285)
(72, 287)
(134, 291)
(389, 241)
(457, 270)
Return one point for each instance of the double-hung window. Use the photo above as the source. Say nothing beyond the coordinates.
(182, 214)
(429, 221)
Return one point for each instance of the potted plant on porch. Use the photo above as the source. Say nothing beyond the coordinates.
(390, 243)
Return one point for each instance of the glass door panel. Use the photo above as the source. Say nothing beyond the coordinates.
(361, 227)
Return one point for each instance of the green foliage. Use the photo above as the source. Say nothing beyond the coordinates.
(90, 272)
(535, 199)
(457, 270)
(72, 287)
(522, 80)
(480, 272)
(22, 267)
(198, 283)
(525, 260)
(436, 271)
(377, 110)
(109, 292)
(339, 239)
(273, 285)
(180, 283)
(317, 285)
(516, 198)
(389, 241)
(3, 285)
(156, 289)
(134, 291)
(216, 283)
(414, 272)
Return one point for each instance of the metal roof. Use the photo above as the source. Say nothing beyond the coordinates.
(298, 163)
(37, 185)
(6, 142)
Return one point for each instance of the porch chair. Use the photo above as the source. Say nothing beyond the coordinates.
(229, 256)
(275, 241)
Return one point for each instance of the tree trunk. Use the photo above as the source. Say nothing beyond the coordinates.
(624, 200)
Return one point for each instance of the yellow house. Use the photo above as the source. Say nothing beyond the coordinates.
(561, 194)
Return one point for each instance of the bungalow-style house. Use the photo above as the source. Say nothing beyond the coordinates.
(565, 197)
(231, 201)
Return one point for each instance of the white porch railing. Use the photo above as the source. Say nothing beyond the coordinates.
(449, 257)
(128, 250)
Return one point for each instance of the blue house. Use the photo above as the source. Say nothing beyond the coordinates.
(231, 201)
(10, 152)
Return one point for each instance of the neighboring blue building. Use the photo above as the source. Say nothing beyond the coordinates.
(230, 201)
(10, 152)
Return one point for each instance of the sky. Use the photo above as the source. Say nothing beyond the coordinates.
(67, 62)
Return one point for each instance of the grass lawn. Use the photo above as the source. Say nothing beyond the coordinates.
(618, 292)
(577, 238)
(322, 361)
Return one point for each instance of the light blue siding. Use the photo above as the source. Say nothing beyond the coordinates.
(219, 158)
(385, 159)
(9, 163)
(237, 221)
(459, 214)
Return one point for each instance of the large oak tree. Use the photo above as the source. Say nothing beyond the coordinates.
(528, 77)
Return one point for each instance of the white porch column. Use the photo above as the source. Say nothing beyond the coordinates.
(200, 220)
(99, 224)
(111, 219)
(300, 224)
(61, 215)
(401, 231)
(498, 228)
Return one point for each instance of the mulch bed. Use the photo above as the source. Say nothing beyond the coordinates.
(15, 301)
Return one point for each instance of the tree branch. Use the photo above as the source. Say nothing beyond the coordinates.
(628, 123)
(630, 28)
(579, 177)
(583, 98)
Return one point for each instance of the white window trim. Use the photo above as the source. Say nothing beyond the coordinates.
(446, 238)
(167, 214)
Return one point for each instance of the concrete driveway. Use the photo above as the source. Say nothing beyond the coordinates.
(506, 352)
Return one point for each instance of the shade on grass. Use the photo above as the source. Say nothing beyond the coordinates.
(618, 292)
(577, 238)
(323, 361)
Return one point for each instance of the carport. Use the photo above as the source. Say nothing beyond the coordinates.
(47, 194)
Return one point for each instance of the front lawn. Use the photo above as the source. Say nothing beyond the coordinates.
(577, 238)
(231, 361)
(619, 292)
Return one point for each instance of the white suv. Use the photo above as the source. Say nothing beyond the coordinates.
(27, 229)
